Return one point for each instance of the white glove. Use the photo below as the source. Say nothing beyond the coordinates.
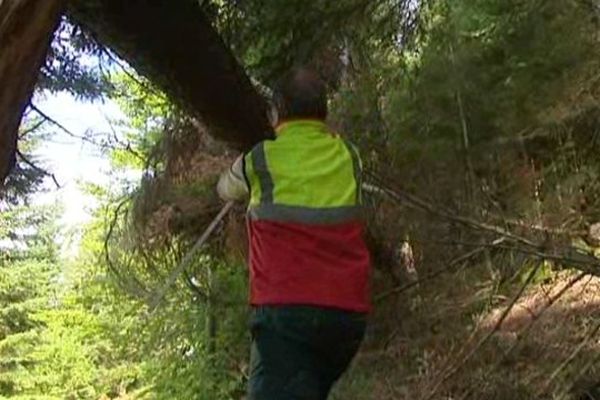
(232, 186)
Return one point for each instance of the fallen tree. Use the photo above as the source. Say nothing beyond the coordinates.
(26, 28)
(172, 43)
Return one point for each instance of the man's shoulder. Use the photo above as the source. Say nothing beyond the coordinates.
(258, 151)
(265, 145)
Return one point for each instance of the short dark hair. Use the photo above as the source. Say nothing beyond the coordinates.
(301, 94)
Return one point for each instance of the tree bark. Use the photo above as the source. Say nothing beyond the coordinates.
(174, 45)
(26, 28)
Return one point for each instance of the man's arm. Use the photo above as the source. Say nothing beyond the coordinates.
(232, 186)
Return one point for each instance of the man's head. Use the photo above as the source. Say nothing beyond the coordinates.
(301, 94)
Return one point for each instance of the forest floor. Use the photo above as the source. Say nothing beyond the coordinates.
(541, 344)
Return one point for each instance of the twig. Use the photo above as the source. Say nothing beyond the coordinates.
(53, 121)
(571, 357)
(455, 368)
(470, 175)
(159, 295)
(534, 319)
(582, 372)
(40, 170)
(403, 197)
(126, 146)
(538, 228)
(571, 256)
(139, 289)
(129, 74)
(435, 274)
(32, 129)
(65, 129)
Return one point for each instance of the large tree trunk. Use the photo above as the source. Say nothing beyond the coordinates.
(173, 44)
(26, 28)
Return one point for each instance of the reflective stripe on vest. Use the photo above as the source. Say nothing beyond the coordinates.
(306, 175)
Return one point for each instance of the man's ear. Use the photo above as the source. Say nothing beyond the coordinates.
(273, 115)
(279, 106)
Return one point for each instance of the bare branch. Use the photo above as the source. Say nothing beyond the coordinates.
(591, 335)
(126, 146)
(127, 71)
(139, 289)
(416, 202)
(535, 317)
(566, 255)
(40, 170)
(32, 129)
(455, 367)
(447, 269)
(53, 121)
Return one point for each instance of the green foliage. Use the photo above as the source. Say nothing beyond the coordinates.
(27, 265)
(57, 340)
(25, 178)
(481, 70)
(317, 35)
(506, 60)
(147, 111)
(77, 64)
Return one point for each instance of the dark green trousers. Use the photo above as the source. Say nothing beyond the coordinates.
(298, 352)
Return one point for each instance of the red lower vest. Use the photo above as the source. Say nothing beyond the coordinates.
(305, 221)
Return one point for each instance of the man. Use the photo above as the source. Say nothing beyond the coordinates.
(309, 265)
